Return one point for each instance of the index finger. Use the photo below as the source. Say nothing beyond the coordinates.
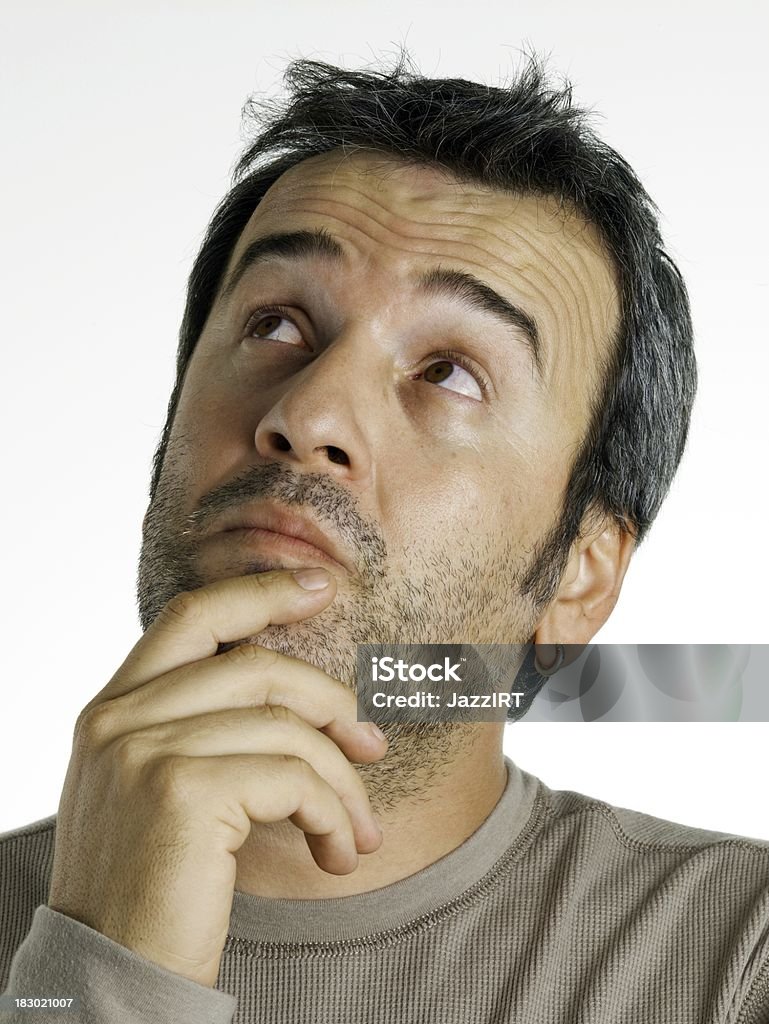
(193, 623)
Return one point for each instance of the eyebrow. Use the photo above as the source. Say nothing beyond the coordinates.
(439, 281)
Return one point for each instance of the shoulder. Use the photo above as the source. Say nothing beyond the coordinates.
(26, 858)
(43, 825)
(26, 848)
(639, 851)
(631, 888)
(673, 880)
(640, 835)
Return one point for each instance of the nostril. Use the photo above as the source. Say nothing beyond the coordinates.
(280, 442)
(337, 455)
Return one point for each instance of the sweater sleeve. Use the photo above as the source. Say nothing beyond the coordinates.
(61, 957)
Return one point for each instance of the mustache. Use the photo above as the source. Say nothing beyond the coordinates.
(328, 501)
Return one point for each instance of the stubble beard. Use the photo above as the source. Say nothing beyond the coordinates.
(473, 598)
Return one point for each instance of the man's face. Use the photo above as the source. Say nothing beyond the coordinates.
(411, 427)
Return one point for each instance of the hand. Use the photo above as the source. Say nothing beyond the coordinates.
(183, 749)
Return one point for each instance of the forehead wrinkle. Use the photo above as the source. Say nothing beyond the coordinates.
(551, 271)
(587, 263)
(607, 305)
(559, 219)
(564, 258)
(447, 231)
(429, 249)
(551, 261)
(432, 181)
(441, 188)
(426, 246)
(558, 325)
(542, 285)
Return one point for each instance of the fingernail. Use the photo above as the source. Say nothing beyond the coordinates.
(376, 732)
(312, 579)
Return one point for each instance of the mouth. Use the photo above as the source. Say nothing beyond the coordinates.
(280, 545)
(284, 536)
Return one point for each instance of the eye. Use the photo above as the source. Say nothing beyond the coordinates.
(266, 321)
(454, 372)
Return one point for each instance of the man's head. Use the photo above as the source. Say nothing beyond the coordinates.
(478, 383)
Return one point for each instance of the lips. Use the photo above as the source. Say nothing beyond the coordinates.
(281, 523)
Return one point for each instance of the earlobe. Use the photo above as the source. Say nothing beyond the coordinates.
(589, 587)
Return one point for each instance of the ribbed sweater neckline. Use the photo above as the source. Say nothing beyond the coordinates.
(441, 884)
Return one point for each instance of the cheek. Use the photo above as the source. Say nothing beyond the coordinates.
(217, 401)
(440, 503)
(494, 497)
(209, 433)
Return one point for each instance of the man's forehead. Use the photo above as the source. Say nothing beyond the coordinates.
(543, 255)
(379, 174)
(424, 193)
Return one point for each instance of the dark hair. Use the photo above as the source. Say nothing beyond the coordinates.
(525, 137)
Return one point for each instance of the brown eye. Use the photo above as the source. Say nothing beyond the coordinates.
(274, 325)
(268, 324)
(437, 372)
(453, 376)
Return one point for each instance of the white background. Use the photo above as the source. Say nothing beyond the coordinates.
(119, 129)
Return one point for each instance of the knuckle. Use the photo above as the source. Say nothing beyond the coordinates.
(129, 754)
(261, 581)
(253, 655)
(278, 713)
(171, 779)
(93, 724)
(293, 764)
(184, 607)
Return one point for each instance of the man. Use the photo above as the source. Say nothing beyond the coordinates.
(434, 379)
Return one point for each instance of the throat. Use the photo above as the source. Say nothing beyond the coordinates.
(424, 815)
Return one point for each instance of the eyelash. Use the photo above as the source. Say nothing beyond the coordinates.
(261, 311)
(449, 354)
(461, 360)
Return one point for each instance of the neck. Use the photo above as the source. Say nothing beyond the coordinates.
(447, 803)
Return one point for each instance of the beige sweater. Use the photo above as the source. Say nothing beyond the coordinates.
(560, 909)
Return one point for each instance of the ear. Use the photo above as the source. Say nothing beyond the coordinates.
(589, 587)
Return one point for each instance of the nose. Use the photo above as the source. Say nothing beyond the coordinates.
(320, 420)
